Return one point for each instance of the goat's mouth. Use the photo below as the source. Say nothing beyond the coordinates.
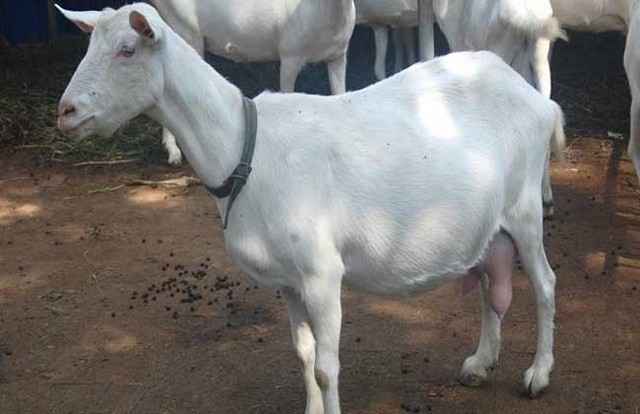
(76, 128)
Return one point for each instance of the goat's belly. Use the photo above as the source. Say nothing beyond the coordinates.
(242, 53)
(590, 15)
(395, 284)
(421, 257)
(401, 274)
(497, 265)
(598, 25)
(400, 18)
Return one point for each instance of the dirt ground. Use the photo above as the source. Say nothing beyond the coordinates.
(122, 300)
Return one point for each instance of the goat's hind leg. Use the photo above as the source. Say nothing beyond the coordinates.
(495, 298)
(381, 36)
(541, 66)
(426, 21)
(305, 345)
(547, 192)
(527, 234)
(632, 68)
(289, 70)
(337, 69)
(409, 45)
(634, 138)
(169, 141)
(398, 48)
(474, 369)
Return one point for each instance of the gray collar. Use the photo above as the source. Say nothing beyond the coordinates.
(233, 184)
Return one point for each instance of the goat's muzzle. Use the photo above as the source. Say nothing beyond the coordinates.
(70, 120)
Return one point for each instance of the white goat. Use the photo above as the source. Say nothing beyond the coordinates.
(519, 31)
(383, 15)
(294, 32)
(612, 15)
(399, 187)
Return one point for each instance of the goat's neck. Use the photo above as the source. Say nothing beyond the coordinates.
(203, 110)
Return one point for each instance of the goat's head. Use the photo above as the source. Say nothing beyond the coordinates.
(121, 75)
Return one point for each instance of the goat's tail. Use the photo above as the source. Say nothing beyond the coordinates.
(558, 139)
(552, 30)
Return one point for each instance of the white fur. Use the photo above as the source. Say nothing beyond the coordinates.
(606, 15)
(519, 31)
(384, 15)
(395, 188)
(294, 32)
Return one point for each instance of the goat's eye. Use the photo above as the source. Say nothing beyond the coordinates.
(126, 51)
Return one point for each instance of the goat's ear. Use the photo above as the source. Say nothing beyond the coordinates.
(85, 20)
(143, 26)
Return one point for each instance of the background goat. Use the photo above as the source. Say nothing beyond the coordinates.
(518, 31)
(293, 32)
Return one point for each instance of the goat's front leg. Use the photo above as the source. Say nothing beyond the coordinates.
(338, 74)
(322, 299)
(305, 345)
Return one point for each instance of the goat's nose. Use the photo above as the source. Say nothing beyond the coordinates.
(66, 109)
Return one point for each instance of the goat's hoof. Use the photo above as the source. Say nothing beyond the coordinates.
(473, 373)
(175, 158)
(471, 380)
(315, 408)
(536, 379)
